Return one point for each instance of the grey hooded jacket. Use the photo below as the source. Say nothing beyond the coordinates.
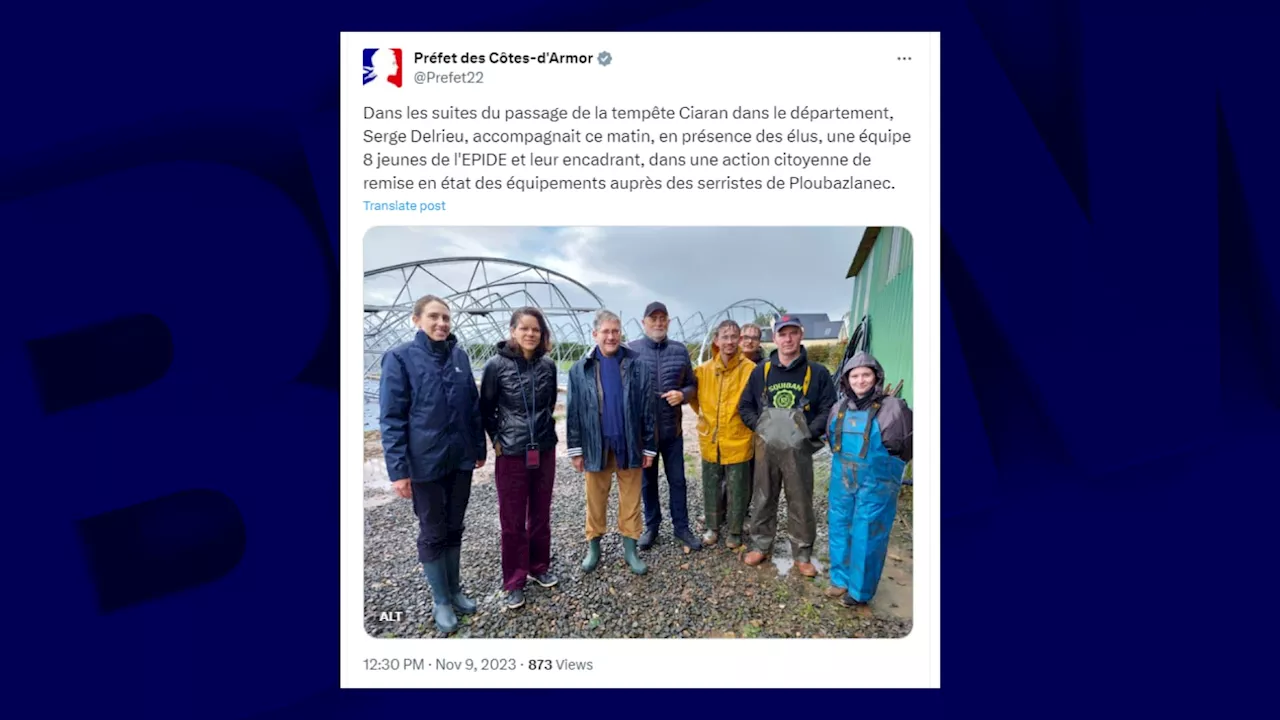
(894, 415)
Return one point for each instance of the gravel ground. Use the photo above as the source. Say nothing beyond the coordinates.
(710, 593)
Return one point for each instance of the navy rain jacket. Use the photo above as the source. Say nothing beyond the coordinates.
(583, 424)
(430, 410)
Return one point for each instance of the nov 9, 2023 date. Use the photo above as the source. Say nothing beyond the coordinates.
(475, 665)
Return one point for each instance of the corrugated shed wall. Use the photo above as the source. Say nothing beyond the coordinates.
(883, 290)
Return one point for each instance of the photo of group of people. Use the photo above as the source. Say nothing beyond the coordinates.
(630, 463)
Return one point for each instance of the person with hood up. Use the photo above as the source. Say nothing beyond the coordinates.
(724, 439)
(433, 440)
(518, 402)
(786, 404)
(870, 437)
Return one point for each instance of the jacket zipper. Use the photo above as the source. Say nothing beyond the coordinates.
(715, 435)
(657, 417)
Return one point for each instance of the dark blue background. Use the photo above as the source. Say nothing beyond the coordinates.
(168, 204)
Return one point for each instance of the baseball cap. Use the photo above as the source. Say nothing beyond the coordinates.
(787, 321)
(654, 307)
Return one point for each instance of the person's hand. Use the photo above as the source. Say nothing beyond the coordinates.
(480, 463)
(648, 461)
(403, 488)
(577, 463)
(674, 397)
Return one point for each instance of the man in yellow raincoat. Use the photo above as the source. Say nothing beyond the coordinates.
(725, 441)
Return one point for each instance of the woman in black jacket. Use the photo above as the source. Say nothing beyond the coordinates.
(517, 403)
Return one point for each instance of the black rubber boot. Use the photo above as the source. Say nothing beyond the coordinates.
(633, 558)
(438, 577)
(648, 538)
(461, 603)
(592, 559)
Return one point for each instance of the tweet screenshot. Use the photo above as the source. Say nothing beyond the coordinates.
(633, 346)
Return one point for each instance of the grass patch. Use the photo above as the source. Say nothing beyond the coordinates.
(751, 631)
(809, 612)
(822, 479)
(692, 466)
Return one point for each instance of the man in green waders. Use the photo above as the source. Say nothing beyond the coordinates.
(786, 404)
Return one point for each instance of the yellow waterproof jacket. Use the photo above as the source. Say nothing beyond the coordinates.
(722, 435)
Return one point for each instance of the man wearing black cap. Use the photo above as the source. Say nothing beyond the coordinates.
(675, 385)
(786, 404)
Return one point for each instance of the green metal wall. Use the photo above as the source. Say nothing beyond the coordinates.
(882, 289)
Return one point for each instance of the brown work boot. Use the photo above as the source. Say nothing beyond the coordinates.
(755, 557)
(835, 591)
(807, 569)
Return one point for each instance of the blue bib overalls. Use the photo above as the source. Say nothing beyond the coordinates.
(862, 501)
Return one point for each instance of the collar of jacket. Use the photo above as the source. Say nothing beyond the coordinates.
(655, 344)
(436, 348)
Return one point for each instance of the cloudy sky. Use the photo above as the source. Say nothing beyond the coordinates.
(689, 268)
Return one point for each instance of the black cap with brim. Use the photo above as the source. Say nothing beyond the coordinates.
(655, 307)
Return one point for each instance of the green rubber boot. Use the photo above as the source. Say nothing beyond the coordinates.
(462, 604)
(592, 559)
(442, 611)
(633, 558)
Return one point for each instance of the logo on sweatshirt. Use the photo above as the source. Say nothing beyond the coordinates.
(785, 394)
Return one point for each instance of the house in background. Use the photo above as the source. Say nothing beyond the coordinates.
(882, 302)
(819, 329)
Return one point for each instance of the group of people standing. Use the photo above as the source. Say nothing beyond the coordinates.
(760, 421)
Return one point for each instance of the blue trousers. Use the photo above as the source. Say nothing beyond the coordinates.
(861, 508)
(671, 453)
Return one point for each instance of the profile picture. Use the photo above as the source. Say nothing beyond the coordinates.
(383, 65)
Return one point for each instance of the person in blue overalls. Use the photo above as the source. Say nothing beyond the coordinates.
(870, 437)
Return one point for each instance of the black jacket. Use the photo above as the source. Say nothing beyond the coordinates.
(784, 390)
(430, 410)
(509, 387)
(669, 369)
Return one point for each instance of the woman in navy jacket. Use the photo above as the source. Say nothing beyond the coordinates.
(432, 440)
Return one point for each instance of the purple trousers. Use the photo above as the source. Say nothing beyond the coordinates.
(524, 509)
